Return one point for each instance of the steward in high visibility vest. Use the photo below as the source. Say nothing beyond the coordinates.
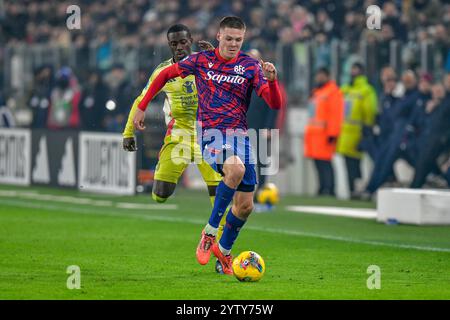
(360, 110)
(325, 108)
(325, 117)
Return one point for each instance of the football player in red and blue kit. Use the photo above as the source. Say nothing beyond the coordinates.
(225, 79)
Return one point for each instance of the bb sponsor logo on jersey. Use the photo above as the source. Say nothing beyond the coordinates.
(219, 78)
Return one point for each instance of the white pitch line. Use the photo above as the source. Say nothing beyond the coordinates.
(143, 206)
(85, 201)
(362, 213)
(202, 221)
(56, 198)
(113, 212)
(346, 239)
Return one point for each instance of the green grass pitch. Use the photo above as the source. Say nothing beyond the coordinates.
(149, 253)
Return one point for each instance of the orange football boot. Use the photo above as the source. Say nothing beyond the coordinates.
(225, 261)
(204, 248)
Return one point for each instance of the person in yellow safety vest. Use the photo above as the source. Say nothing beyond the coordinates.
(326, 107)
(360, 109)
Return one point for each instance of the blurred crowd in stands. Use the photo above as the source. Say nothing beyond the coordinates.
(95, 90)
(140, 22)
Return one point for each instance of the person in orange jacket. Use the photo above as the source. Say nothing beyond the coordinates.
(325, 117)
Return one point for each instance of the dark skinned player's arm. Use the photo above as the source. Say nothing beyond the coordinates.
(158, 83)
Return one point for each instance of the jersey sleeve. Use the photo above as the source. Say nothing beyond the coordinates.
(188, 65)
(128, 132)
(259, 80)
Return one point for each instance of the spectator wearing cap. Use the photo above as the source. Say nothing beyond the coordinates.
(64, 101)
(359, 116)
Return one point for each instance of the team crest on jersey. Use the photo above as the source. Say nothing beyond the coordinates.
(239, 69)
(188, 87)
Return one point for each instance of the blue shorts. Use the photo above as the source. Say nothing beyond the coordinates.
(217, 149)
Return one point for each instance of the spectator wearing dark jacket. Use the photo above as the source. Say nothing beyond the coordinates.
(396, 146)
(120, 99)
(436, 133)
(39, 98)
(6, 117)
(378, 136)
(93, 103)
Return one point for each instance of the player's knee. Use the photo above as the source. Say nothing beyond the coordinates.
(158, 198)
(235, 172)
(240, 170)
(245, 209)
(162, 190)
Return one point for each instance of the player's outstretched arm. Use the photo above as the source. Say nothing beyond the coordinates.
(156, 85)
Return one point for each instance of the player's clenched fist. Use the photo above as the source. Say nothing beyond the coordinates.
(269, 70)
(129, 144)
(138, 119)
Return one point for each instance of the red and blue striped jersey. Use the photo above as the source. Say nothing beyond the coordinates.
(224, 87)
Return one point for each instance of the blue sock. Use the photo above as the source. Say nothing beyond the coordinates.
(224, 195)
(230, 231)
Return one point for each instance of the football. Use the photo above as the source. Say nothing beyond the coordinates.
(248, 266)
(268, 194)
